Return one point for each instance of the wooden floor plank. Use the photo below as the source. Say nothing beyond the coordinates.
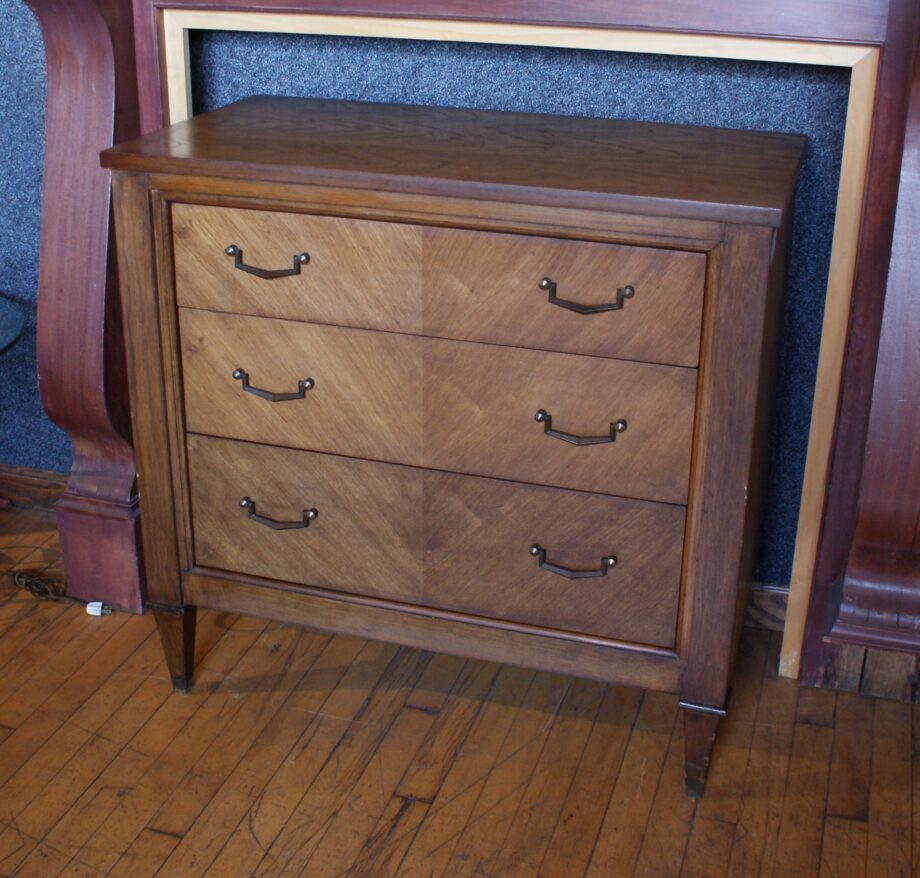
(145, 855)
(707, 845)
(203, 749)
(848, 794)
(385, 849)
(179, 816)
(709, 849)
(355, 819)
(525, 844)
(28, 543)
(370, 794)
(81, 798)
(30, 618)
(268, 785)
(40, 712)
(93, 733)
(573, 838)
(623, 829)
(329, 791)
(802, 824)
(43, 861)
(843, 849)
(390, 838)
(481, 841)
(39, 769)
(437, 838)
(58, 626)
(424, 777)
(889, 842)
(757, 833)
(437, 683)
(23, 532)
(668, 830)
(299, 754)
(816, 707)
(50, 801)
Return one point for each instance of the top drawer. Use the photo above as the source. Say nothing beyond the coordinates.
(448, 283)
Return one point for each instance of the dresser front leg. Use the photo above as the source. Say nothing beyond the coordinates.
(700, 724)
(176, 627)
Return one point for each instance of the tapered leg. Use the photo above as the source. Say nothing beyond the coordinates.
(177, 636)
(700, 724)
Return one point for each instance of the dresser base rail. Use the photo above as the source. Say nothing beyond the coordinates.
(440, 631)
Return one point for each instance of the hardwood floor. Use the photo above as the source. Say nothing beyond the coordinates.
(301, 754)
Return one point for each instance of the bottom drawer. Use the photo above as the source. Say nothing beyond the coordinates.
(439, 540)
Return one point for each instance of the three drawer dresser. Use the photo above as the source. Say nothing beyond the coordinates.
(486, 383)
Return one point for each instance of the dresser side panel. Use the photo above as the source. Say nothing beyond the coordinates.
(720, 493)
(148, 383)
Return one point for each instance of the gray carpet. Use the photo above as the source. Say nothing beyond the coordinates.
(27, 438)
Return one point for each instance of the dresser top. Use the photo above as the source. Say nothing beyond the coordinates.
(636, 167)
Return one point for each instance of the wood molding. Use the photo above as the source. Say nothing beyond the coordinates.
(881, 586)
(866, 585)
(850, 199)
(176, 23)
(767, 607)
(31, 488)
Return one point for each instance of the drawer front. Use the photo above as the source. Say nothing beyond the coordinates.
(439, 540)
(450, 283)
(443, 404)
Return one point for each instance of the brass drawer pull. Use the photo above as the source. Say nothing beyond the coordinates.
(540, 554)
(250, 506)
(303, 386)
(544, 417)
(265, 273)
(623, 293)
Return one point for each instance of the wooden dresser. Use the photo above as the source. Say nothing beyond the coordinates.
(486, 383)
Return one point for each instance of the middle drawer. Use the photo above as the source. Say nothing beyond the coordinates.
(447, 405)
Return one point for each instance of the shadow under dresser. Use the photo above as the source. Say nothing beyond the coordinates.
(486, 383)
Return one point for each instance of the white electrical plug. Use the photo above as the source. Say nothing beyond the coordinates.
(97, 608)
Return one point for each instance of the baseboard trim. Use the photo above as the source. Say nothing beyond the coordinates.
(31, 488)
(767, 607)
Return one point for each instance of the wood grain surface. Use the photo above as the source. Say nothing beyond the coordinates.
(442, 404)
(438, 540)
(695, 173)
(295, 748)
(880, 602)
(449, 283)
(897, 82)
(453, 411)
(78, 305)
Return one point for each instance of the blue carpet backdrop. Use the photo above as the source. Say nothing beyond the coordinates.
(226, 67)
(27, 438)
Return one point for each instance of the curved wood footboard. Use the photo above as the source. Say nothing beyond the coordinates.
(78, 333)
